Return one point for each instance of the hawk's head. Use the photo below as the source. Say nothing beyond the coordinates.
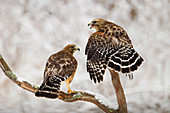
(71, 48)
(97, 23)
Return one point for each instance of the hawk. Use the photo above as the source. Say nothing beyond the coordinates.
(60, 66)
(110, 47)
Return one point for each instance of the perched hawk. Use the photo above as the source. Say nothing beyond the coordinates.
(60, 67)
(110, 47)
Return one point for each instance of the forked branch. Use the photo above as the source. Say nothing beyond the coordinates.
(78, 96)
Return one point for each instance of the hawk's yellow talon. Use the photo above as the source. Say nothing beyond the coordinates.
(70, 91)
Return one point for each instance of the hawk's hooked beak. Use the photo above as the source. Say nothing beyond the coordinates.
(91, 25)
(77, 48)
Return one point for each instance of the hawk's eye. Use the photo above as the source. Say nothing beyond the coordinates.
(94, 22)
(72, 47)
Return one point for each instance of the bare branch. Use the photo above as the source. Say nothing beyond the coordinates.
(78, 96)
(119, 92)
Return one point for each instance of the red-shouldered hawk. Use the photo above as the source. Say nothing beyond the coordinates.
(60, 66)
(110, 47)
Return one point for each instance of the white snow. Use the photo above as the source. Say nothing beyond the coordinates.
(99, 97)
(20, 79)
(32, 30)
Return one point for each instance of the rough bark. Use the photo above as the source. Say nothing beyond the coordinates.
(78, 96)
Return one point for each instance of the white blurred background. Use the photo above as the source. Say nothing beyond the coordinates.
(31, 30)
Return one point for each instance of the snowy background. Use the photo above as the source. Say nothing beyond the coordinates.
(31, 30)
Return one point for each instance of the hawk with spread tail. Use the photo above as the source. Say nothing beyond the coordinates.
(60, 66)
(110, 47)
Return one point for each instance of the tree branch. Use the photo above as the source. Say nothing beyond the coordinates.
(78, 96)
(119, 92)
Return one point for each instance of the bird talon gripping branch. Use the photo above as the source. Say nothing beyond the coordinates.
(70, 91)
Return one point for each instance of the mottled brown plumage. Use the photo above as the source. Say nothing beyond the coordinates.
(110, 47)
(60, 66)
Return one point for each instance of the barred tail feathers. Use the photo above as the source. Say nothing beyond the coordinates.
(125, 60)
(50, 88)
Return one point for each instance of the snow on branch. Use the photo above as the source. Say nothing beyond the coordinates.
(94, 98)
